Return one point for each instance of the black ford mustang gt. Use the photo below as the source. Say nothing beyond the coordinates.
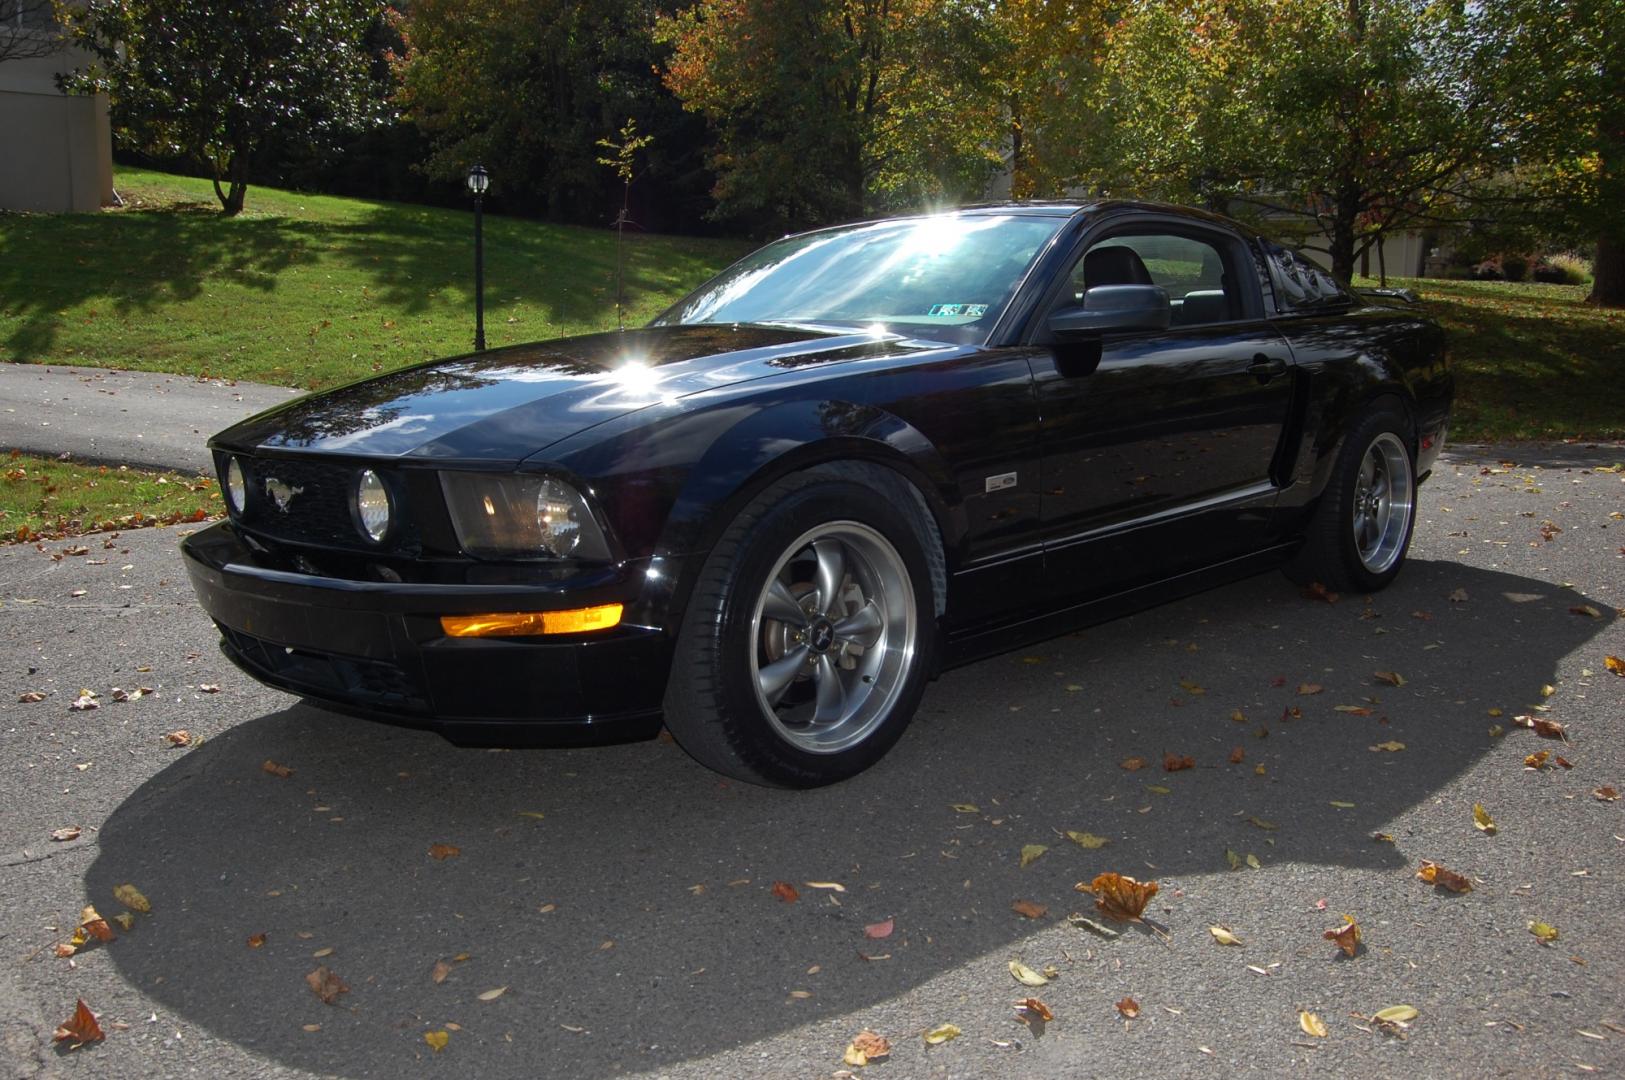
(855, 457)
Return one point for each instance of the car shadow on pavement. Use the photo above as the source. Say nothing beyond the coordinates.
(625, 899)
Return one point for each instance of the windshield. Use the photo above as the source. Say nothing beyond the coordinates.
(946, 277)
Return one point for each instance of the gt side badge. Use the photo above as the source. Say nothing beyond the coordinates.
(1000, 482)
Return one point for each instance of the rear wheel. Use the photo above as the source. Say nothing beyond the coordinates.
(1361, 531)
(806, 643)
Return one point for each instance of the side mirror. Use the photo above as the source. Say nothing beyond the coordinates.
(1107, 308)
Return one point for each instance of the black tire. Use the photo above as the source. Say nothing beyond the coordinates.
(1361, 530)
(822, 691)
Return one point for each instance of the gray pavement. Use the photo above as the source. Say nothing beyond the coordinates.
(623, 898)
(137, 418)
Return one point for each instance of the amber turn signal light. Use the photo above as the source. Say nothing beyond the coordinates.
(530, 623)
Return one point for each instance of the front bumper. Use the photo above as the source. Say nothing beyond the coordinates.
(376, 649)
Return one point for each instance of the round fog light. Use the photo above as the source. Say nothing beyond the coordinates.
(236, 486)
(372, 509)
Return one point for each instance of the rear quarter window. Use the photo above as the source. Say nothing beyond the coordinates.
(1299, 284)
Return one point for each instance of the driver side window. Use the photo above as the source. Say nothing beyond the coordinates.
(1192, 272)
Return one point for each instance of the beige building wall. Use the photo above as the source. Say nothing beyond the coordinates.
(56, 150)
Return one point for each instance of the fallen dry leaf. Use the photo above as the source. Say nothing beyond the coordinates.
(1030, 852)
(84, 702)
(865, 1047)
(1606, 793)
(1563, 761)
(437, 1040)
(80, 1028)
(1025, 975)
(1238, 755)
(1537, 760)
(276, 770)
(1346, 937)
(441, 970)
(880, 929)
(325, 983)
(1028, 910)
(833, 886)
(91, 922)
(1132, 764)
(256, 941)
(1391, 746)
(1353, 710)
(1546, 932)
(1312, 1024)
(1036, 1008)
(786, 892)
(1308, 688)
(1316, 591)
(1458, 596)
(1395, 1014)
(126, 920)
(966, 808)
(1392, 678)
(131, 897)
(941, 1034)
(492, 995)
(1084, 922)
(1586, 610)
(1615, 665)
(1129, 1008)
(442, 852)
(1436, 875)
(1087, 840)
(1482, 820)
(30, 697)
(68, 832)
(209, 688)
(1119, 897)
(179, 737)
(1170, 763)
(1223, 936)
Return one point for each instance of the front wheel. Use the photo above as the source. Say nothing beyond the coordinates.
(1361, 531)
(806, 644)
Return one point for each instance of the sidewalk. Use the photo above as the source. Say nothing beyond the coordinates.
(138, 418)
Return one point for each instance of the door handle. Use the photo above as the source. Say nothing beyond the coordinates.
(1266, 367)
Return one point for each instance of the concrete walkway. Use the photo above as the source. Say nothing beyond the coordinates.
(137, 418)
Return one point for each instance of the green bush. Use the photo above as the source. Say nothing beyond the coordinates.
(1565, 268)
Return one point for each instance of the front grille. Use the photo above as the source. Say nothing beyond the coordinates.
(346, 678)
(319, 511)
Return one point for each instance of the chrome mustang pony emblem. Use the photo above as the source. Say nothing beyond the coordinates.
(280, 493)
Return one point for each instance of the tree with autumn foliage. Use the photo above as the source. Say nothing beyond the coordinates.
(826, 110)
(528, 87)
(1560, 67)
(1368, 115)
(213, 83)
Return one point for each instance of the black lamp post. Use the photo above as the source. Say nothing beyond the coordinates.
(478, 181)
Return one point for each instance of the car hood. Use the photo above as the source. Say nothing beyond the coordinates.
(507, 404)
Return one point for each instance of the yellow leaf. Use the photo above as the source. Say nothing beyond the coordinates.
(855, 1057)
(1495, 712)
(1158, 789)
(1192, 688)
(1223, 936)
(1312, 1025)
(492, 995)
(1025, 975)
(1544, 931)
(537, 814)
(939, 1035)
(835, 886)
(125, 919)
(1342, 805)
(131, 898)
(1392, 678)
(1391, 746)
(437, 1040)
(966, 808)
(1252, 861)
(1031, 852)
(1087, 840)
(1482, 820)
(1396, 1014)
(1548, 690)
(1614, 664)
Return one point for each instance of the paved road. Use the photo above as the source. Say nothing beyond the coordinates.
(128, 417)
(622, 896)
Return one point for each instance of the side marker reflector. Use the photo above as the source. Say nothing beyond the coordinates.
(532, 623)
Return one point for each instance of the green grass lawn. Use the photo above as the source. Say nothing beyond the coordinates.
(1532, 361)
(308, 290)
(43, 498)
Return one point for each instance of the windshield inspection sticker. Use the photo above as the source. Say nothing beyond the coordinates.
(971, 311)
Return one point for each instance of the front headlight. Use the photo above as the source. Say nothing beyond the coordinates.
(500, 515)
(236, 486)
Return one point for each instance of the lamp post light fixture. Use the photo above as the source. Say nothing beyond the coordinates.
(478, 181)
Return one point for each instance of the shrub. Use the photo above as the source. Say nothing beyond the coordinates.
(1514, 267)
(1564, 268)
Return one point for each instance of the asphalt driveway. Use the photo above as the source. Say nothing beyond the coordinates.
(622, 899)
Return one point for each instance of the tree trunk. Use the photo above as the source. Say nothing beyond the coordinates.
(231, 196)
(1608, 273)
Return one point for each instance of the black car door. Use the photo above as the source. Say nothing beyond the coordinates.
(1157, 444)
